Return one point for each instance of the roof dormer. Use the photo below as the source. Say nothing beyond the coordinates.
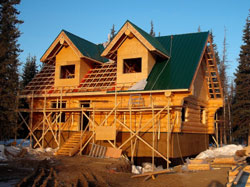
(135, 52)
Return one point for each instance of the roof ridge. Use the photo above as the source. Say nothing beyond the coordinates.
(157, 44)
(78, 36)
(81, 43)
(182, 34)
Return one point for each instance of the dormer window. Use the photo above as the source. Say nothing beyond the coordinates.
(67, 72)
(132, 65)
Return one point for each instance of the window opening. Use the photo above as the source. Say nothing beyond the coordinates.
(84, 104)
(202, 115)
(132, 65)
(184, 112)
(67, 72)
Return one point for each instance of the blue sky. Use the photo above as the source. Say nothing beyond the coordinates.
(92, 20)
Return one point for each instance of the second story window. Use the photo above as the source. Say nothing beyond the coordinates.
(67, 72)
(132, 65)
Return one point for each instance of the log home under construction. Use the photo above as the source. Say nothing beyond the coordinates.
(148, 96)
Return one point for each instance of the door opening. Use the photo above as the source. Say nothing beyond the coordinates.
(85, 121)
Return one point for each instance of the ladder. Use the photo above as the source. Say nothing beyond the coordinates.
(136, 100)
(213, 79)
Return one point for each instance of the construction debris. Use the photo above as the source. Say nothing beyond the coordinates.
(239, 175)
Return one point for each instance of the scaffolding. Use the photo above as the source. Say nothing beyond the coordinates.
(102, 79)
(135, 105)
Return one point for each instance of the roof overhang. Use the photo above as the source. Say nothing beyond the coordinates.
(128, 31)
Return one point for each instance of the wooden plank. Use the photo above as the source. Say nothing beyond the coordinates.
(113, 153)
(199, 167)
(225, 160)
(105, 132)
(197, 161)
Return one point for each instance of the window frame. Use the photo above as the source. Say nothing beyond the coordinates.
(67, 75)
(132, 65)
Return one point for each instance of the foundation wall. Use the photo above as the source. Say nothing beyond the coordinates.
(181, 145)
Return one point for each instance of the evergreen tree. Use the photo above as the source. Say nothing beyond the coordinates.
(199, 28)
(224, 85)
(9, 51)
(241, 105)
(29, 70)
(216, 53)
(112, 32)
(152, 33)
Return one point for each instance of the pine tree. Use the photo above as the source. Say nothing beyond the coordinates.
(152, 33)
(216, 53)
(199, 28)
(241, 105)
(30, 69)
(224, 85)
(9, 51)
(112, 32)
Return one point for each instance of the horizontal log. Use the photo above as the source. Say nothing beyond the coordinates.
(199, 167)
(197, 161)
(227, 160)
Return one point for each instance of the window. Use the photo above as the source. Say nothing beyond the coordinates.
(202, 115)
(54, 115)
(67, 72)
(184, 111)
(132, 65)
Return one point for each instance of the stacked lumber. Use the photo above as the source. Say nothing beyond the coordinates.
(223, 162)
(207, 164)
(198, 165)
(239, 175)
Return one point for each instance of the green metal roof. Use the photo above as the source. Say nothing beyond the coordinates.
(87, 48)
(152, 40)
(178, 71)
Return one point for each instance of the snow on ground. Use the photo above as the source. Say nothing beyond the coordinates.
(2, 155)
(12, 152)
(225, 151)
(24, 143)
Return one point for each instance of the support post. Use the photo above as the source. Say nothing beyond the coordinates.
(81, 131)
(130, 125)
(153, 139)
(44, 111)
(31, 117)
(60, 120)
(168, 133)
(115, 112)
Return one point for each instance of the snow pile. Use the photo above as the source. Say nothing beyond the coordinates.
(225, 151)
(146, 167)
(25, 143)
(139, 85)
(136, 169)
(2, 155)
(13, 150)
(41, 151)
